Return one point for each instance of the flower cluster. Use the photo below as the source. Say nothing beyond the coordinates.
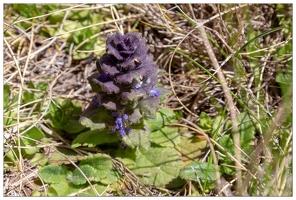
(125, 82)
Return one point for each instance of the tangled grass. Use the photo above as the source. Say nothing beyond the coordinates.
(219, 60)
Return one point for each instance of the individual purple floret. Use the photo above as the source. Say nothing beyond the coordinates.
(125, 81)
(120, 125)
(154, 92)
(125, 116)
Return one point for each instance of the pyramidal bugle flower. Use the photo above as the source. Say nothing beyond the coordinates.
(125, 83)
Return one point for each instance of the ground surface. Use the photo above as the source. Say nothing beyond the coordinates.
(194, 90)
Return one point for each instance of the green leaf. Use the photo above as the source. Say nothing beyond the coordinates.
(205, 121)
(69, 25)
(98, 161)
(56, 18)
(163, 116)
(228, 170)
(157, 166)
(284, 78)
(96, 168)
(35, 134)
(149, 106)
(29, 140)
(77, 177)
(226, 142)
(112, 177)
(217, 126)
(39, 159)
(99, 46)
(199, 170)
(64, 114)
(78, 14)
(57, 115)
(90, 117)
(64, 156)
(63, 188)
(166, 137)
(53, 174)
(73, 126)
(191, 148)
(247, 131)
(139, 136)
(27, 95)
(10, 118)
(176, 183)
(80, 55)
(95, 137)
(283, 51)
(128, 157)
(94, 19)
(11, 155)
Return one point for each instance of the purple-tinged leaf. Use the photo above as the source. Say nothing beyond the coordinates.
(149, 106)
(108, 65)
(135, 116)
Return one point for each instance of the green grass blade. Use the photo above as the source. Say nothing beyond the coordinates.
(258, 36)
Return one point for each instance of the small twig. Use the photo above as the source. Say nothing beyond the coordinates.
(14, 60)
(231, 106)
(114, 12)
(32, 54)
(29, 52)
(226, 190)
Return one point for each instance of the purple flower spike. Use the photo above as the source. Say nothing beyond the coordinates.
(125, 82)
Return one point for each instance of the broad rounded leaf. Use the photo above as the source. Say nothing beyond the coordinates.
(90, 119)
(163, 116)
(166, 137)
(199, 170)
(157, 166)
(53, 174)
(191, 148)
(95, 137)
(100, 162)
(77, 177)
(139, 136)
(63, 188)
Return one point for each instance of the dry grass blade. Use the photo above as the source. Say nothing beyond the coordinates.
(205, 56)
(231, 106)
